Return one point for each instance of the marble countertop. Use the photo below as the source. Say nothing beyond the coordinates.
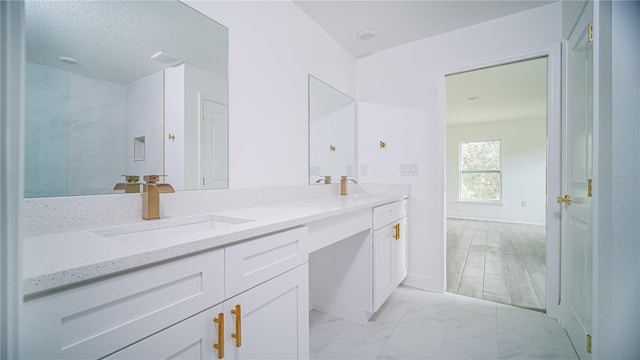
(56, 260)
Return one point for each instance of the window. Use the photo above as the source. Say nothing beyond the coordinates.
(480, 176)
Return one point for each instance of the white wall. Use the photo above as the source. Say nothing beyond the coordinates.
(523, 166)
(273, 46)
(12, 86)
(174, 124)
(397, 90)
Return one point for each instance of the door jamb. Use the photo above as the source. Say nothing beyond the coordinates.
(553, 278)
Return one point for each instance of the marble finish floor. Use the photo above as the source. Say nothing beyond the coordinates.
(417, 324)
(501, 262)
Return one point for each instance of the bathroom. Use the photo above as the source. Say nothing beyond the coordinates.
(396, 90)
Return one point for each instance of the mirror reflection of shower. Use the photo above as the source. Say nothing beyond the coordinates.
(95, 89)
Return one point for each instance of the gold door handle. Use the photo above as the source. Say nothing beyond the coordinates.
(238, 334)
(220, 345)
(397, 233)
(566, 199)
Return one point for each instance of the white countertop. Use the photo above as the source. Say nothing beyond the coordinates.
(61, 259)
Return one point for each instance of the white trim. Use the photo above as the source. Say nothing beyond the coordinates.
(423, 283)
(522, 222)
(553, 53)
(602, 17)
(12, 64)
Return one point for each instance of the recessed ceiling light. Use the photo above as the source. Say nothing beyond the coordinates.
(68, 60)
(366, 34)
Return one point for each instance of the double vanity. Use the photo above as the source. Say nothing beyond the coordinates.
(234, 283)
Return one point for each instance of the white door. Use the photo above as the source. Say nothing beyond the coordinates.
(214, 145)
(273, 321)
(577, 215)
(400, 253)
(193, 338)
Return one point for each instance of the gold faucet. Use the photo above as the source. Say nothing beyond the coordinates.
(327, 180)
(130, 186)
(343, 184)
(151, 196)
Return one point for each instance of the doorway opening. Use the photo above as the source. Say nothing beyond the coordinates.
(496, 182)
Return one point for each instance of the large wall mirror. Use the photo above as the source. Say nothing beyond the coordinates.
(123, 87)
(332, 133)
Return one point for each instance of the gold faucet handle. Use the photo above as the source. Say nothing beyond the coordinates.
(152, 179)
(131, 179)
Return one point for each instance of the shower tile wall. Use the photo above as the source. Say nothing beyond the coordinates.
(74, 133)
(144, 118)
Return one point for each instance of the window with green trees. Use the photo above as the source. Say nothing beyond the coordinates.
(480, 175)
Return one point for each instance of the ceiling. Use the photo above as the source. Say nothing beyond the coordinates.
(114, 40)
(505, 92)
(398, 22)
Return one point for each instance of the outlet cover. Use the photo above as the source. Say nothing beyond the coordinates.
(409, 169)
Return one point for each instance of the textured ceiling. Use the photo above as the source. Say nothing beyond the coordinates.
(506, 92)
(113, 40)
(399, 22)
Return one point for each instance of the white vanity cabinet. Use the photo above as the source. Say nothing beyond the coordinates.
(274, 319)
(389, 250)
(268, 315)
(269, 321)
(168, 310)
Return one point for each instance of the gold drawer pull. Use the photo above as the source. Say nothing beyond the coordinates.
(220, 345)
(238, 334)
(397, 233)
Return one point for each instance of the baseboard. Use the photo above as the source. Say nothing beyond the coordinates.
(424, 283)
(524, 222)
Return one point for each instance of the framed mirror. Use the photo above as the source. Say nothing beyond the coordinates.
(332, 133)
(123, 88)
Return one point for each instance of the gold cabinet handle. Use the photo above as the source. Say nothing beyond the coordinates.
(220, 345)
(564, 199)
(397, 233)
(238, 334)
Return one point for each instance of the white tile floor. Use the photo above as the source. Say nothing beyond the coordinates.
(416, 324)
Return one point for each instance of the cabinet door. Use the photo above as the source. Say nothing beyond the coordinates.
(383, 244)
(389, 260)
(192, 338)
(274, 319)
(399, 254)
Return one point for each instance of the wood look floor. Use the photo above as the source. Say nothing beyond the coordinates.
(500, 262)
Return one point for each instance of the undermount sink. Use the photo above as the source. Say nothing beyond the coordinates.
(170, 227)
(365, 195)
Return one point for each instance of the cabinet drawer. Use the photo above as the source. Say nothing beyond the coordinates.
(96, 319)
(386, 214)
(255, 261)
